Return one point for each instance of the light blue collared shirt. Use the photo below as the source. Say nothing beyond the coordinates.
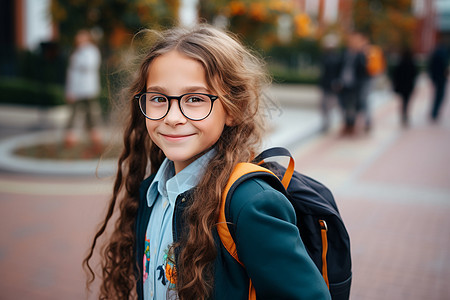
(162, 194)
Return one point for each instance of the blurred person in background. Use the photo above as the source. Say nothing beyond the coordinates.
(403, 80)
(83, 87)
(329, 77)
(352, 77)
(375, 66)
(438, 71)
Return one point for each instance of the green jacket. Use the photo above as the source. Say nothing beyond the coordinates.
(267, 240)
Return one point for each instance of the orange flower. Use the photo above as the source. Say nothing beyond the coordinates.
(119, 37)
(171, 273)
(302, 24)
(281, 5)
(257, 11)
(237, 8)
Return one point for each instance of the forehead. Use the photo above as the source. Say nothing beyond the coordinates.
(174, 71)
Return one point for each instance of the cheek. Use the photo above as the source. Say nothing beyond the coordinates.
(213, 130)
(151, 126)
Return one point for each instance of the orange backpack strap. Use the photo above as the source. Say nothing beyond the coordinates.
(240, 170)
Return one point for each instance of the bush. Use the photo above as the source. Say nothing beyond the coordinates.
(303, 76)
(296, 62)
(28, 92)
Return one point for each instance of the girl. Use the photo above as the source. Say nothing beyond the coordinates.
(194, 116)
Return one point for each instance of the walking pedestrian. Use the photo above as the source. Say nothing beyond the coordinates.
(403, 79)
(353, 75)
(438, 70)
(329, 77)
(83, 87)
(375, 66)
(165, 244)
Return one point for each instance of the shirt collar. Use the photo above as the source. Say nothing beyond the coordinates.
(170, 185)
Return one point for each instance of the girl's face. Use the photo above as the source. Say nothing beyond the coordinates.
(181, 139)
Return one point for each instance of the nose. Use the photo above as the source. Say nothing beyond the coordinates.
(174, 116)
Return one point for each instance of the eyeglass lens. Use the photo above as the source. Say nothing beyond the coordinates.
(155, 106)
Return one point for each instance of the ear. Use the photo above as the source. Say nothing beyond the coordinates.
(229, 121)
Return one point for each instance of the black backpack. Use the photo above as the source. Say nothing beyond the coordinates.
(318, 220)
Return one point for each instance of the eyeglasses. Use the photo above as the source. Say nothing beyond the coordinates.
(194, 106)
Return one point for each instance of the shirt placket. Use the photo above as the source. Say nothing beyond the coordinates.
(161, 245)
(153, 260)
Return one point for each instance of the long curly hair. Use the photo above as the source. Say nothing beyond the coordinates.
(238, 77)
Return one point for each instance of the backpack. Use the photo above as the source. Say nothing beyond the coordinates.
(318, 220)
(375, 61)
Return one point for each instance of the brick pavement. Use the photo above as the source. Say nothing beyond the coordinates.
(47, 224)
(393, 190)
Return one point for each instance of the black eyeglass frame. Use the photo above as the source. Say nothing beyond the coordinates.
(178, 98)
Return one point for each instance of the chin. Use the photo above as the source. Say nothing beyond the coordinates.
(178, 157)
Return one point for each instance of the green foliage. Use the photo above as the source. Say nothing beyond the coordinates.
(110, 15)
(296, 62)
(389, 24)
(292, 53)
(46, 66)
(292, 59)
(282, 74)
(255, 22)
(29, 92)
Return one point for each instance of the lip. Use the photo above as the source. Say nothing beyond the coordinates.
(176, 137)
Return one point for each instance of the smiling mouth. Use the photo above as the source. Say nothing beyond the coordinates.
(176, 137)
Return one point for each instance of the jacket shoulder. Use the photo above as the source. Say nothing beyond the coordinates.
(255, 194)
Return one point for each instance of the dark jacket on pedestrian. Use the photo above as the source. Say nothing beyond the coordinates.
(267, 242)
(352, 69)
(404, 74)
(329, 73)
(438, 65)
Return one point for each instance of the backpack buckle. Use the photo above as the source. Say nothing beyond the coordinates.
(323, 225)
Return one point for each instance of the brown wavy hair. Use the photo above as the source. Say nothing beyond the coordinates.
(237, 76)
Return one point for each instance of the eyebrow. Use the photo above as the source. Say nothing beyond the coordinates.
(189, 89)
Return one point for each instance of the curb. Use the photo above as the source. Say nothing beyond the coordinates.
(15, 163)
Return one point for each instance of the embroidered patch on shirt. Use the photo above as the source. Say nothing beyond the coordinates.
(166, 272)
(170, 269)
(146, 258)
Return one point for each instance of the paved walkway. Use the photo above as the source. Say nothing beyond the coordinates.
(393, 190)
(392, 187)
